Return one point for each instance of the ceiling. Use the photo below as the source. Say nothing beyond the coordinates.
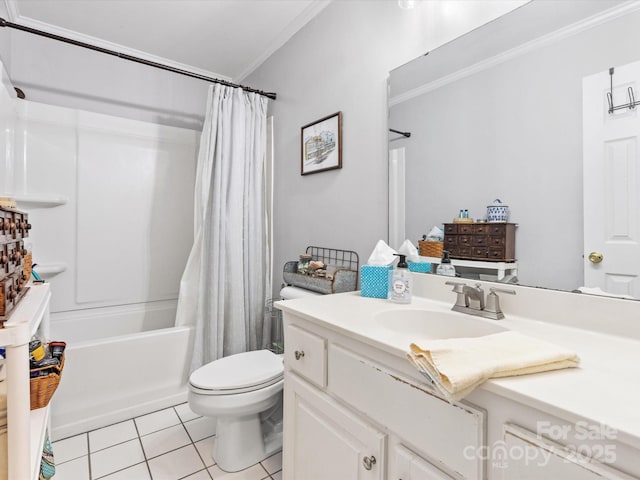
(227, 39)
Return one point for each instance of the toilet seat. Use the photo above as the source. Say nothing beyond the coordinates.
(239, 373)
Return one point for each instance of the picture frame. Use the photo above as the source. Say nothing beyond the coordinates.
(321, 145)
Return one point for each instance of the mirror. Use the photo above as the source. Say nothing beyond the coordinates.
(498, 113)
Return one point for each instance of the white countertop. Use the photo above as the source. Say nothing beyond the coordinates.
(605, 389)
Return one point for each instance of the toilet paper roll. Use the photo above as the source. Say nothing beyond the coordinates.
(289, 293)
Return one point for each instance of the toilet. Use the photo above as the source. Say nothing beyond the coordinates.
(243, 392)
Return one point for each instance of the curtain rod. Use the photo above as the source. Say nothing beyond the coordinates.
(5, 23)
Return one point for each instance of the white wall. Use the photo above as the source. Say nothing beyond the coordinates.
(340, 62)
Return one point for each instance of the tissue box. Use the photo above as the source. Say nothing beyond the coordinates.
(420, 267)
(374, 280)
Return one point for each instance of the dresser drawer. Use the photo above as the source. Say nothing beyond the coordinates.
(496, 241)
(5, 226)
(497, 229)
(496, 253)
(480, 240)
(465, 240)
(450, 228)
(465, 228)
(451, 241)
(480, 252)
(4, 260)
(481, 229)
(306, 354)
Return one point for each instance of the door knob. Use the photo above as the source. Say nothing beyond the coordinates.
(595, 257)
(299, 354)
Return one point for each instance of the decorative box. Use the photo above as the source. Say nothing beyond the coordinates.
(374, 280)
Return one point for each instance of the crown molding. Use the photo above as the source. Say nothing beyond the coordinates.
(15, 17)
(300, 21)
(543, 41)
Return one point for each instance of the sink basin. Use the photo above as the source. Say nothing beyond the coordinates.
(432, 324)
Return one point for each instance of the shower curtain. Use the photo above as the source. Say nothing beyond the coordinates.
(227, 280)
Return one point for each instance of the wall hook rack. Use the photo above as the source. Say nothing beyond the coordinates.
(632, 100)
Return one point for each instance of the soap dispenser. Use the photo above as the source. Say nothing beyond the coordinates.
(445, 268)
(400, 282)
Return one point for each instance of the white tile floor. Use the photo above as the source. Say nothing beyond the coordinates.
(171, 444)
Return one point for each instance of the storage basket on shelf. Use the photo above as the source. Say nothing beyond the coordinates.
(344, 279)
(431, 249)
(42, 388)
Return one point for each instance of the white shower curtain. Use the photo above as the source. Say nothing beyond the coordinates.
(227, 280)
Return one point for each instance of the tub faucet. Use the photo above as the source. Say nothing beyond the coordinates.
(471, 300)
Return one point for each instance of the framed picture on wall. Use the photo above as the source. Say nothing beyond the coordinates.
(322, 145)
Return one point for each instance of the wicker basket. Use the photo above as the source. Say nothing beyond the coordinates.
(431, 249)
(43, 388)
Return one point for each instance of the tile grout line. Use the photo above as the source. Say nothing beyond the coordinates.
(89, 456)
(192, 442)
(144, 452)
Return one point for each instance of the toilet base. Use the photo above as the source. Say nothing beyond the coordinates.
(245, 442)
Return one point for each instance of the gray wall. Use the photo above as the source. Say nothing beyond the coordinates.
(340, 61)
(59, 74)
(5, 40)
(513, 132)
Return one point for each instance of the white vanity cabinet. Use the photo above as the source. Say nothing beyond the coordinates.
(410, 466)
(324, 440)
(342, 408)
(531, 457)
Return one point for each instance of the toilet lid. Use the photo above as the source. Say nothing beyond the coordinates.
(237, 371)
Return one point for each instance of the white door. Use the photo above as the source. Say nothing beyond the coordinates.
(397, 232)
(323, 441)
(611, 182)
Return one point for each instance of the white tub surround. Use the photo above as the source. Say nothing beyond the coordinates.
(347, 356)
(111, 204)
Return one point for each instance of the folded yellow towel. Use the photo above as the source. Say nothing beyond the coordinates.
(458, 365)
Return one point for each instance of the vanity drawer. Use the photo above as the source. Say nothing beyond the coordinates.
(428, 424)
(306, 354)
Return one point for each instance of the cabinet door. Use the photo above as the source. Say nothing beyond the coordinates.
(324, 441)
(409, 466)
(529, 457)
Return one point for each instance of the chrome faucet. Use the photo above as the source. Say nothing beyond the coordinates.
(471, 300)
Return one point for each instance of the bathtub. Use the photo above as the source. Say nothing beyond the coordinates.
(120, 362)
